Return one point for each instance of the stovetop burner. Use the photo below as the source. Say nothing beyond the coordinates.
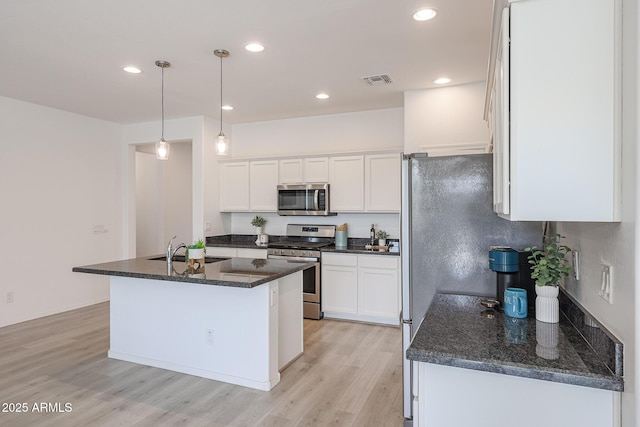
(297, 244)
(301, 238)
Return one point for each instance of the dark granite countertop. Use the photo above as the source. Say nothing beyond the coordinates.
(359, 250)
(354, 245)
(234, 272)
(456, 331)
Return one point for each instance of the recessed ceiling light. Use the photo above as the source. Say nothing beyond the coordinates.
(254, 47)
(442, 80)
(322, 96)
(131, 69)
(227, 107)
(424, 14)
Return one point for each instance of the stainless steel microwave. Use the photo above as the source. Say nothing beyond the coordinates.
(304, 199)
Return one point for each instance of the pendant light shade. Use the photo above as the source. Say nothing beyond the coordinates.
(162, 146)
(222, 142)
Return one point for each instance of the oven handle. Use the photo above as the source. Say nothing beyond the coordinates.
(292, 258)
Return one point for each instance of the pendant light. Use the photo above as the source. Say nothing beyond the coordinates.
(222, 142)
(162, 146)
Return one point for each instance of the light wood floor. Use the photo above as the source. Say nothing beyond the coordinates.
(350, 375)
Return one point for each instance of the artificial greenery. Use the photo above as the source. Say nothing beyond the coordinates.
(258, 221)
(381, 234)
(548, 264)
(197, 245)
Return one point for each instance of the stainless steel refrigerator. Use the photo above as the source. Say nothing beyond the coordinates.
(447, 226)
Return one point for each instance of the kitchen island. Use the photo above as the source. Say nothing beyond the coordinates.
(238, 321)
(475, 366)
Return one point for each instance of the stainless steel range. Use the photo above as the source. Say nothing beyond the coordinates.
(302, 244)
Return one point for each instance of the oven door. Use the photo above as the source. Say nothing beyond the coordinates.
(310, 285)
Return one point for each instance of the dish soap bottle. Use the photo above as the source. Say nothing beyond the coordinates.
(372, 234)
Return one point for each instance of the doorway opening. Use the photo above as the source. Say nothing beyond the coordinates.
(163, 198)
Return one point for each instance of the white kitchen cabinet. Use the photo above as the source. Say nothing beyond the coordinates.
(263, 182)
(339, 284)
(234, 187)
(307, 170)
(291, 171)
(316, 170)
(378, 287)
(555, 110)
(361, 287)
(346, 177)
(452, 397)
(382, 182)
(229, 252)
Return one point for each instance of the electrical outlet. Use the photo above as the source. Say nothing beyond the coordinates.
(209, 337)
(207, 226)
(606, 287)
(10, 297)
(575, 255)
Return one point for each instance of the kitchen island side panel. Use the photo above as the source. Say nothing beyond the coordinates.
(217, 332)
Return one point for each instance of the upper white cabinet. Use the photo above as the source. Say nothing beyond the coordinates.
(346, 177)
(316, 169)
(382, 182)
(308, 170)
(263, 182)
(359, 183)
(554, 105)
(291, 171)
(234, 186)
(249, 186)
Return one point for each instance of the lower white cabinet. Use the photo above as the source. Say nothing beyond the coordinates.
(449, 396)
(361, 287)
(227, 252)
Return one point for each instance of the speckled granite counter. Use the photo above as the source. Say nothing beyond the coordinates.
(354, 245)
(455, 333)
(234, 272)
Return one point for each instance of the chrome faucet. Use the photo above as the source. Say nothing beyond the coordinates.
(172, 252)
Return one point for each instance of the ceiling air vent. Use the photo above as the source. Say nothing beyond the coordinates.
(380, 79)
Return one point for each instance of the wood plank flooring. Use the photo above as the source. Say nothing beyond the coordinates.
(350, 375)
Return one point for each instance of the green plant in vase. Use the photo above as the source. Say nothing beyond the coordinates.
(258, 221)
(548, 264)
(548, 267)
(197, 245)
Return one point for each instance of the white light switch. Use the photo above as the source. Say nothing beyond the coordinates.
(606, 287)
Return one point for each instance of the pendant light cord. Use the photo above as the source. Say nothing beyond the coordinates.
(162, 102)
(220, 94)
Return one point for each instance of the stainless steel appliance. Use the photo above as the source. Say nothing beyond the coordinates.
(447, 227)
(304, 199)
(303, 244)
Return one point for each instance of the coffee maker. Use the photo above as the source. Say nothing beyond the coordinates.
(513, 271)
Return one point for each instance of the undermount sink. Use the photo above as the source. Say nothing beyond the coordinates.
(181, 258)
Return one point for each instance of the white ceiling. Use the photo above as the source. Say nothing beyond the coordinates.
(68, 54)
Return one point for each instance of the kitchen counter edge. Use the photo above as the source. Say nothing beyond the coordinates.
(420, 351)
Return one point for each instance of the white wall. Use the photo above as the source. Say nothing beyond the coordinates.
(59, 176)
(444, 116)
(358, 224)
(334, 133)
(615, 244)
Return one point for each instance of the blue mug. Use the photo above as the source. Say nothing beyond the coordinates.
(515, 303)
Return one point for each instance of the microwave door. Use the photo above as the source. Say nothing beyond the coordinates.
(292, 200)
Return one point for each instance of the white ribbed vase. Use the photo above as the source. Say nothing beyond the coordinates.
(547, 305)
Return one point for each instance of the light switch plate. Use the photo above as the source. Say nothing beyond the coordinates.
(606, 286)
